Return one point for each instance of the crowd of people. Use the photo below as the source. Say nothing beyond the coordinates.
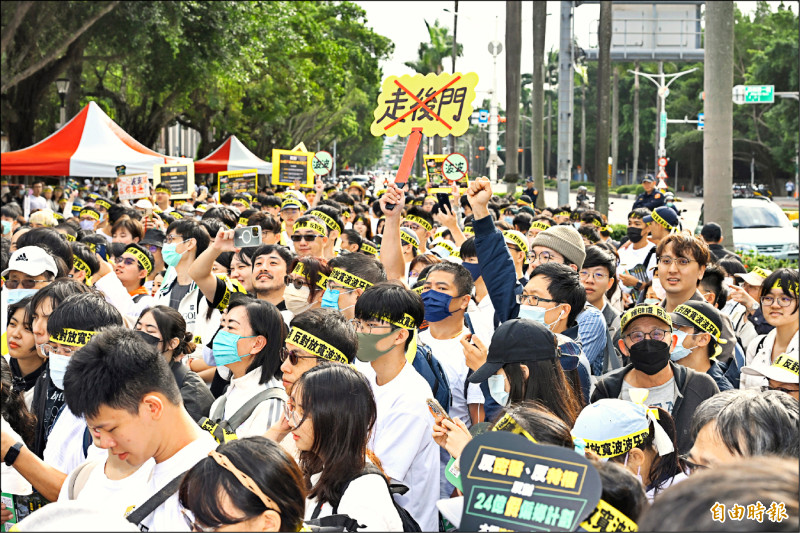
(159, 376)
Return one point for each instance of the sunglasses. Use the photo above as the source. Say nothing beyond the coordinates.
(294, 356)
(298, 283)
(127, 260)
(26, 283)
(307, 238)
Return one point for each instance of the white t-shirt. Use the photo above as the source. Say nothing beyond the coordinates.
(763, 358)
(629, 258)
(402, 441)
(366, 500)
(239, 392)
(663, 396)
(450, 354)
(167, 516)
(11, 481)
(64, 448)
(116, 494)
(482, 317)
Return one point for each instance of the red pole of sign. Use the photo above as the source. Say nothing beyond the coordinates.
(408, 156)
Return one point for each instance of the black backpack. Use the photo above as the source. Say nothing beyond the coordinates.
(340, 522)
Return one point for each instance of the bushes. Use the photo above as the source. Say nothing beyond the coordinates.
(618, 231)
(752, 260)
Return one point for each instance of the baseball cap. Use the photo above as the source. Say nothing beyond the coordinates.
(703, 316)
(665, 216)
(31, 260)
(644, 310)
(755, 277)
(518, 340)
(648, 177)
(785, 369)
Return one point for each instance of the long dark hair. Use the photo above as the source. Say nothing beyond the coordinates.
(341, 406)
(13, 406)
(543, 425)
(546, 384)
(266, 320)
(171, 324)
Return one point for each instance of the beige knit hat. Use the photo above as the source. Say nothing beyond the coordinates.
(565, 240)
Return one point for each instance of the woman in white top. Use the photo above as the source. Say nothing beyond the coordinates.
(779, 302)
(332, 413)
(249, 344)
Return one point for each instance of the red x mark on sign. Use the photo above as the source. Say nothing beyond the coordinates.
(421, 103)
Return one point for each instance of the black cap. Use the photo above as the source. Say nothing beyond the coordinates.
(519, 340)
(648, 177)
(154, 236)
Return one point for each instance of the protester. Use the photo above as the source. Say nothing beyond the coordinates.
(26, 364)
(782, 375)
(698, 326)
(712, 234)
(748, 294)
(636, 256)
(305, 284)
(29, 269)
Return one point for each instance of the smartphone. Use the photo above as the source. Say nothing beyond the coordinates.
(101, 249)
(443, 202)
(247, 237)
(437, 410)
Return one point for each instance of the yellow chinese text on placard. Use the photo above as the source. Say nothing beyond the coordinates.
(439, 104)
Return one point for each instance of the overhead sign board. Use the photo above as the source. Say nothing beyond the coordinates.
(754, 94)
(439, 104)
(180, 179)
(292, 167)
(701, 121)
(238, 180)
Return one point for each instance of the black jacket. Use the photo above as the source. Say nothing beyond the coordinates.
(694, 387)
(718, 252)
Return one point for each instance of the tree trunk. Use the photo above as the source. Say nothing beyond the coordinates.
(537, 97)
(603, 111)
(583, 132)
(549, 135)
(718, 131)
(635, 177)
(615, 129)
(513, 65)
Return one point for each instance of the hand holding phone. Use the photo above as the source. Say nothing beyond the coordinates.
(247, 237)
(438, 412)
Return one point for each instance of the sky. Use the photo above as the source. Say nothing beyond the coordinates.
(478, 24)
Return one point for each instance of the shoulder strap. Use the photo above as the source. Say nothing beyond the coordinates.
(79, 477)
(247, 409)
(87, 440)
(369, 468)
(219, 410)
(143, 511)
(647, 257)
(138, 297)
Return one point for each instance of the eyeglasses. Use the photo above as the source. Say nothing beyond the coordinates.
(411, 225)
(48, 350)
(294, 356)
(171, 238)
(765, 388)
(333, 286)
(362, 327)
(152, 248)
(298, 283)
(680, 261)
(26, 283)
(193, 525)
(691, 465)
(598, 277)
(512, 248)
(308, 237)
(294, 419)
(127, 260)
(531, 299)
(544, 257)
(783, 301)
(655, 334)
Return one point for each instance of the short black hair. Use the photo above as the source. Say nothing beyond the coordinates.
(265, 221)
(266, 249)
(391, 300)
(343, 198)
(11, 211)
(49, 239)
(418, 211)
(732, 265)
(333, 213)
(711, 232)
(522, 221)
(226, 214)
(269, 200)
(82, 252)
(58, 291)
(564, 287)
(621, 489)
(330, 326)
(117, 369)
(639, 212)
(598, 257)
(266, 320)
(591, 233)
(468, 248)
(364, 266)
(462, 278)
(787, 280)
(713, 279)
(226, 197)
(87, 312)
(191, 229)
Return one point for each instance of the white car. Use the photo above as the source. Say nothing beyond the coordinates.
(760, 226)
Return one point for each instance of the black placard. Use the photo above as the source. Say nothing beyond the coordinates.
(177, 177)
(293, 168)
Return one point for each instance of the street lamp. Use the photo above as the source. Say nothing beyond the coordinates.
(62, 86)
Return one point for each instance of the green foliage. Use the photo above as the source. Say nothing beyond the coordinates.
(575, 184)
(752, 260)
(618, 231)
(431, 53)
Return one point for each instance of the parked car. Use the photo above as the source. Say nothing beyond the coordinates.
(760, 226)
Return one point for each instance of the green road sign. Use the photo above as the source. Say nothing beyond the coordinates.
(663, 129)
(754, 94)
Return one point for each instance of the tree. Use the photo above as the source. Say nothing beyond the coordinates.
(603, 90)
(513, 64)
(537, 102)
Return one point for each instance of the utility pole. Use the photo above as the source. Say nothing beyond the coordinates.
(495, 47)
(455, 51)
(565, 103)
(537, 95)
(718, 129)
(615, 128)
(601, 178)
(635, 177)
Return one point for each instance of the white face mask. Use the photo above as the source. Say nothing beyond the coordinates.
(659, 289)
(296, 300)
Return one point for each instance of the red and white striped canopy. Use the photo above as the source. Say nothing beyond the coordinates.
(89, 145)
(231, 155)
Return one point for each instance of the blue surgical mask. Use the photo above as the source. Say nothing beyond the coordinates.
(87, 225)
(474, 269)
(170, 254)
(437, 305)
(510, 220)
(58, 368)
(497, 388)
(226, 347)
(6, 227)
(330, 299)
(15, 295)
(652, 301)
(536, 314)
(680, 352)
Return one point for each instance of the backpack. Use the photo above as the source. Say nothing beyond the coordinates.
(350, 524)
(431, 369)
(225, 430)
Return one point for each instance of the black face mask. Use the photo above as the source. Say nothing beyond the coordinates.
(649, 356)
(634, 235)
(149, 339)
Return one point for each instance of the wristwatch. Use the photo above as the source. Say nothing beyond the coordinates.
(754, 307)
(13, 453)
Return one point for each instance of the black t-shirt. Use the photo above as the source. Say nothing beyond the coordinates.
(47, 402)
(176, 294)
(24, 383)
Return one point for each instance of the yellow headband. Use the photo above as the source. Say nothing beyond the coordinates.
(103, 203)
(70, 238)
(300, 270)
(406, 323)
(313, 225)
(92, 213)
(160, 188)
(73, 337)
(658, 218)
(408, 239)
(468, 230)
(639, 310)
(785, 362)
(539, 224)
(81, 265)
(608, 518)
(597, 223)
(507, 423)
(618, 445)
(420, 289)
(421, 221)
(519, 241)
(332, 225)
(176, 214)
(700, 320)
(793, 286)
(291, 202)
(318, 347)
(366, 248)
(143, 260)
(447, 246)
(243, 202)
(349, 280)
(561, 214)
(242, 221)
